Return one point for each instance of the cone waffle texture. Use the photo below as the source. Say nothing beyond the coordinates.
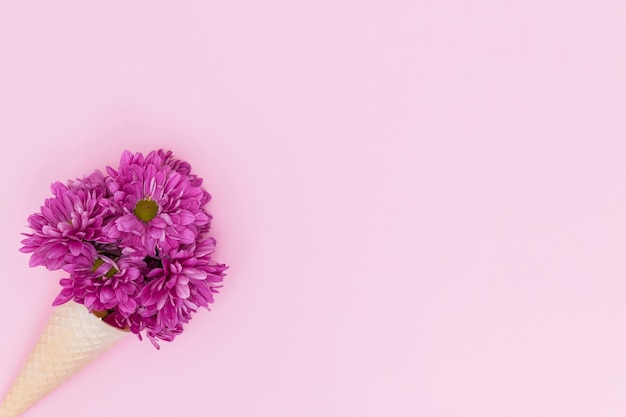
(71, 340)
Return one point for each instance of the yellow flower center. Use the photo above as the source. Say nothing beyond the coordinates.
(146, 210)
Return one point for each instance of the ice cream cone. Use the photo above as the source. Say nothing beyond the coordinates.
(72, 339)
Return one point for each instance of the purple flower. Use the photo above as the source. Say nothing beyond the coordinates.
(63, 230)
(158, 208)
(186, 281)
(101, 283)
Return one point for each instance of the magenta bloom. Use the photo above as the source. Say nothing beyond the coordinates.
(101, 283)
(158, 208)
(66, 226)
(133, 243)
(185, 282)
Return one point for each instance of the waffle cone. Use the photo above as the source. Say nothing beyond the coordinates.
(72, 339)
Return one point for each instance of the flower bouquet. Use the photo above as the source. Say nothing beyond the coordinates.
(138, 260)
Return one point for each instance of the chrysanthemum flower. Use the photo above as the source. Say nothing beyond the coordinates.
(101, 284)
(67, 224)
(158, 208)
(186, 281)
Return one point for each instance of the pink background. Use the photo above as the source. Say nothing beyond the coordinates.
(423, 203)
